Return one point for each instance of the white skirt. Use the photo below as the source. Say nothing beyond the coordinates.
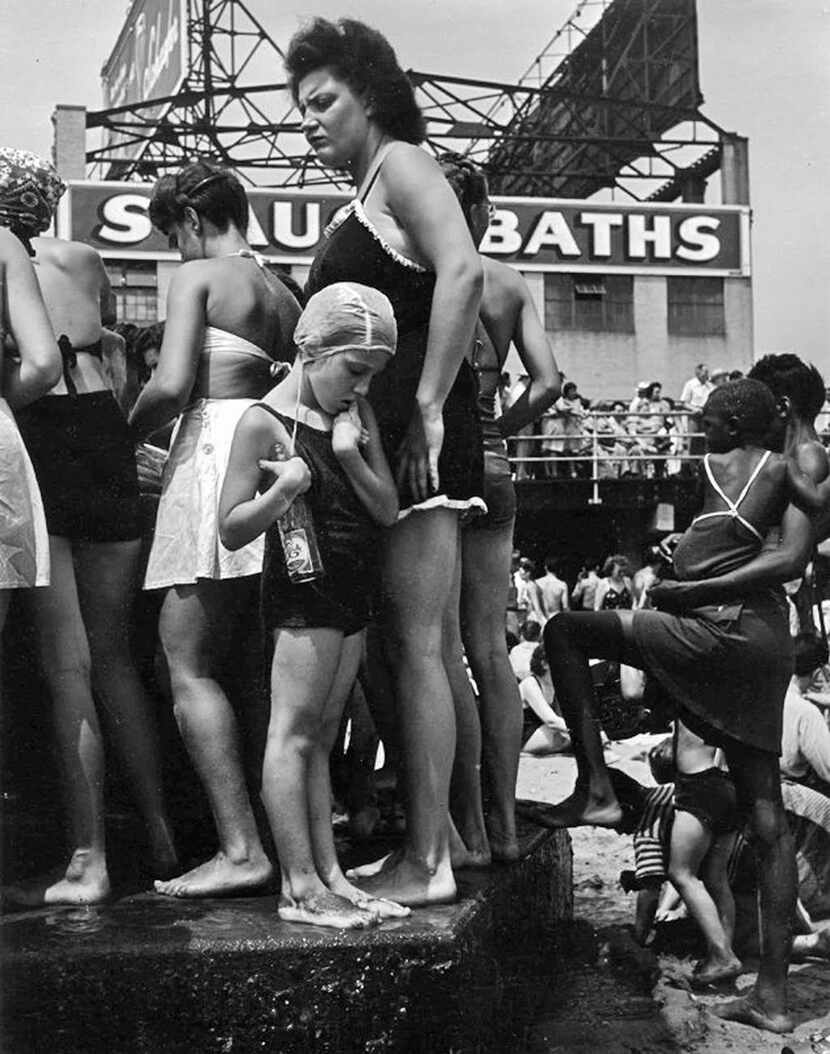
(186, 543)
(24, 540)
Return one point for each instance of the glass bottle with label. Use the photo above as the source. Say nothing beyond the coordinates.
(296, 529)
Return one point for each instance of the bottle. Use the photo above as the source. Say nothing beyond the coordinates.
(299, 541)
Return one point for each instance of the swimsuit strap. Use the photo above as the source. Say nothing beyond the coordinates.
(374, 169)
(249, 254)
(732, 506)
(69, 355)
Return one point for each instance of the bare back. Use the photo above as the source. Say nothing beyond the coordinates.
(75, 289)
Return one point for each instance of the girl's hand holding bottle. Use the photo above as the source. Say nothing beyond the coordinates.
(293, 473)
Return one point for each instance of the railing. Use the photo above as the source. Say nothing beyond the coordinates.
(599, 445)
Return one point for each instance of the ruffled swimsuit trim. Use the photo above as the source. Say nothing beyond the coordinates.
(356, 209)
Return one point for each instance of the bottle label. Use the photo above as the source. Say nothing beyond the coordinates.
(298, 558)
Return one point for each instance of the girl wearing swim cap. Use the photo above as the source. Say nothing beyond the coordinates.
(319, 416)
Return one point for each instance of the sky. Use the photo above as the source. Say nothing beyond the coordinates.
(763, 72)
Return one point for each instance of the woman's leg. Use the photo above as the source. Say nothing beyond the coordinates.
(418, 566)
(485, 581)
(571, 639)
(758, 784)
(715, 874)
(107, 577)
(65, 666)
(690, 842)
(193, 628)
(296, 789)
(468, 834)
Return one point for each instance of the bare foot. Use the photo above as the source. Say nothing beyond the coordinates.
(411, 884)
(811, 945)
(745, 1012)
(575, 811)
(374, 867)
(379, 906)
(325, 909)
(461, 856)
(717, 971)
(218, 877)
(85, 881)
(501, 834)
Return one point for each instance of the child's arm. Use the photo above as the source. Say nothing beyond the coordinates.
(771, 567)
(534, 697)
(242, 515)
(366, 466)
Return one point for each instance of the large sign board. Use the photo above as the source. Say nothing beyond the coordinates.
(149, 60)
(533, 234)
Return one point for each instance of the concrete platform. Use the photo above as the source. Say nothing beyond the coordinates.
(157, 976)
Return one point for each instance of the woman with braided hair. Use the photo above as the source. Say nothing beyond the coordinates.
(229, 320)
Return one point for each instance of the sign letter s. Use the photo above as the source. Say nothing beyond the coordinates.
(125, 220)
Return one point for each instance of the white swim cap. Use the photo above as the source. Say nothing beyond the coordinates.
(345, 316)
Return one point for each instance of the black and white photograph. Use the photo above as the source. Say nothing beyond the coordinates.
(414, 527)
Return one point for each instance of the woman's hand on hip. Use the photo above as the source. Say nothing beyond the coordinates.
(419, 452)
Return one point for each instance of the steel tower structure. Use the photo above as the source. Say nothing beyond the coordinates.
(612, 104)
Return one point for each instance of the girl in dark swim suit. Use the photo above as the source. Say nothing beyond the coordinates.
(405, 234)
(724, 658)
(319, 414)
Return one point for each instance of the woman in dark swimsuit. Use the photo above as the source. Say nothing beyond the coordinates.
(405, 235)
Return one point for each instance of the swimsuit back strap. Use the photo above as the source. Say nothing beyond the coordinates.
(732, 506)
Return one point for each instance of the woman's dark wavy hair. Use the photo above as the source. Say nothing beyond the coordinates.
(788, 375)
(538, 661)
(466, 179)
(210, 190)
(366, 61)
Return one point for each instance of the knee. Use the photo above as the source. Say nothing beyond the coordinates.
(556, 635)
(769, 825)
(63, 665)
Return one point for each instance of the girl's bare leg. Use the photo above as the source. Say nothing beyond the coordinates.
(65, 664)
(715, 875)
(758, 783)
(319, 789)
(296, 790)
(418, 566)
(485, 580)
(468, 834)
(107, 580)
(193, 628)
(690, 843)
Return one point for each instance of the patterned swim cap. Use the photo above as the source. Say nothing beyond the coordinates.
(30, 189)
(345, 316)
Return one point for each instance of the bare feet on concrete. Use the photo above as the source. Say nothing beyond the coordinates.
(325, 909)
(219, 876)
(85, 881)
(410, 883)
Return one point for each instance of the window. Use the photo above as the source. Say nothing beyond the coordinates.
(594, 303)
(134, 287)
(695, 307)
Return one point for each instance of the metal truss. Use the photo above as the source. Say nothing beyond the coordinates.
(570, 132)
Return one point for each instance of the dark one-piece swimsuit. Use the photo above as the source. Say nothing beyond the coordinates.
(348, 540)
(354, 252)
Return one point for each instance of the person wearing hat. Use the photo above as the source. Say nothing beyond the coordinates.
(315, 435)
